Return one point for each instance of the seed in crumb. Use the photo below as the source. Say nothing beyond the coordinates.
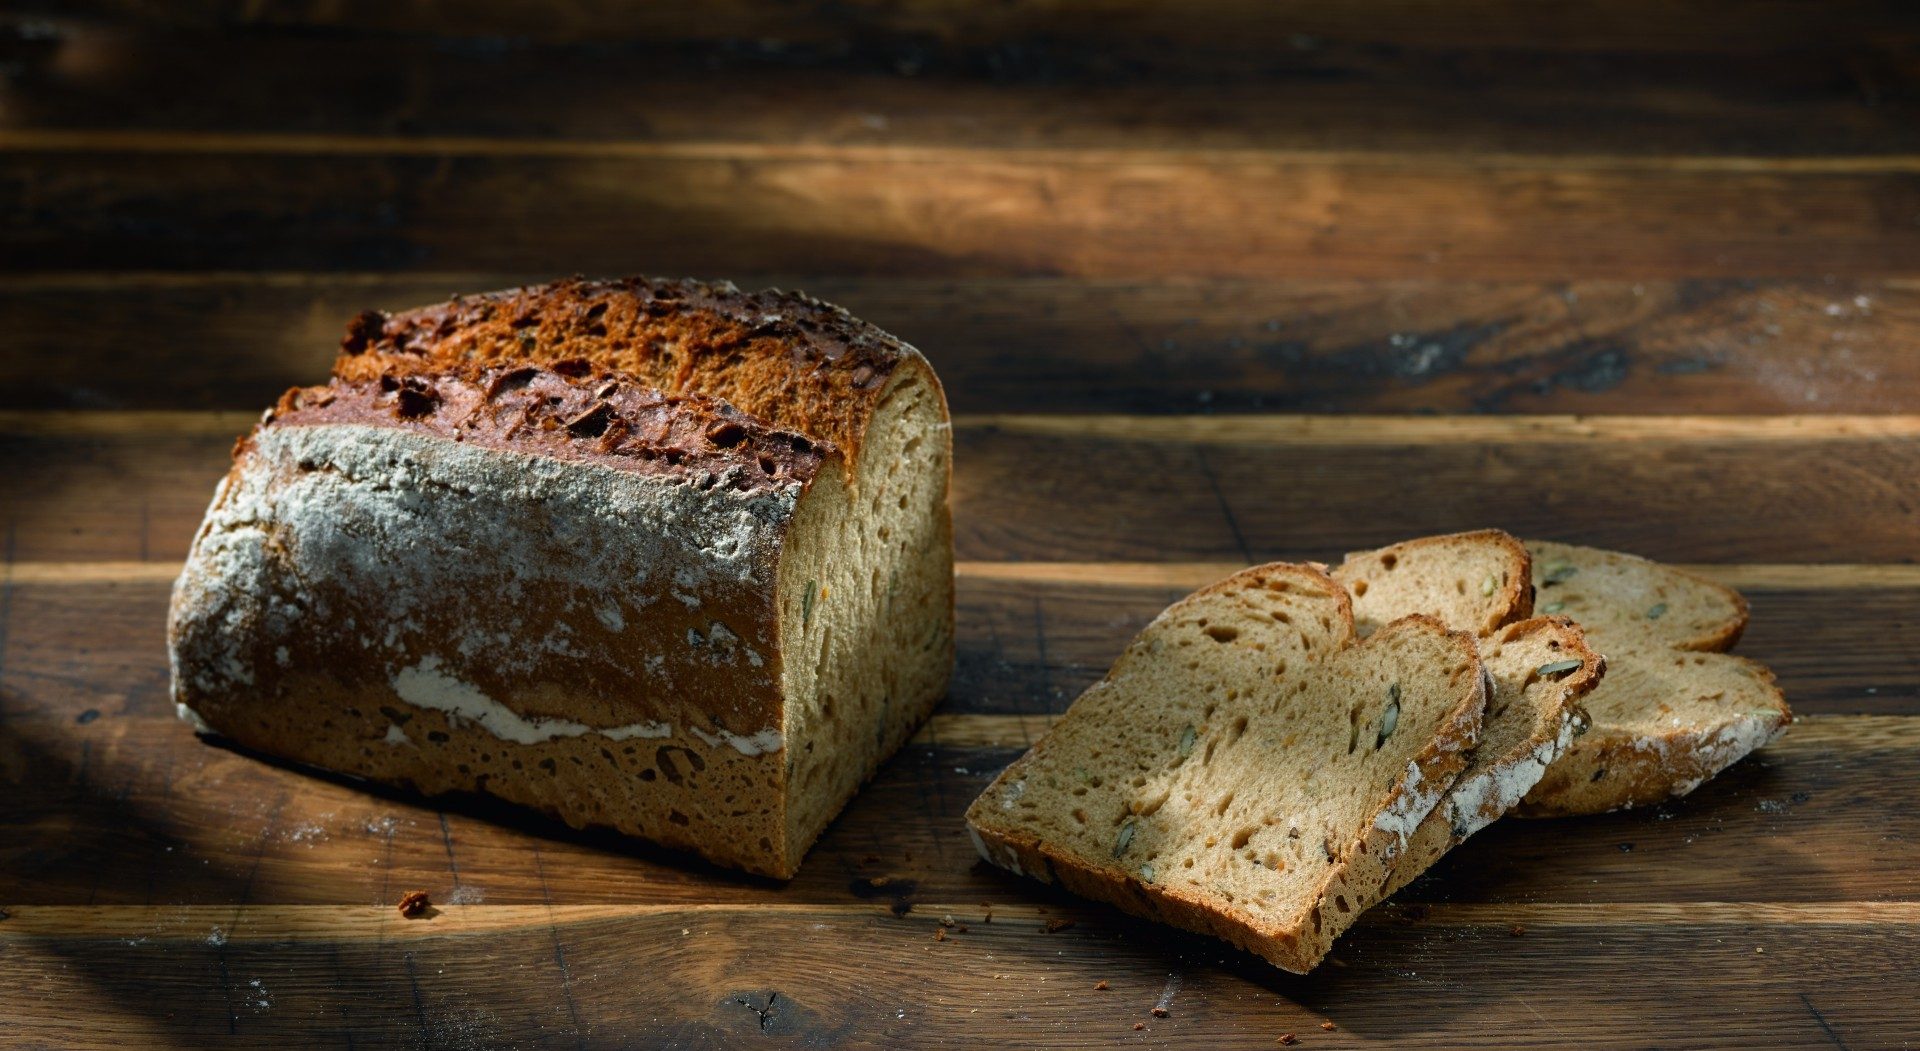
(1159, 1012)
(1328, 1026)
(1288, 1040)
(1137, 1026)
(1516, 930)
(414, 904)
(1102, 985)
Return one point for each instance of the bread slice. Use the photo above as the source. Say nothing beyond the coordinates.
(1477, 582)
(1674, 710)
(1540, 669)
(494, 555)
(1248, 768)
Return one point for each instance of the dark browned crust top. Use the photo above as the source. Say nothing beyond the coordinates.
(794, 361)
(570, 412)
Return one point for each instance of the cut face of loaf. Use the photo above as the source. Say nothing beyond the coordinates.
(563, 588)
(1541, 668)
(1673, 711)
(1247, 769)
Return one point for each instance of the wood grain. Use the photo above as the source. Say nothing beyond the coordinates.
(724, 976)
(81, 341)
(1472, 96)
(925, 27)
(1226, 488)
(166, 201)
(132, 810)
(1024, 646)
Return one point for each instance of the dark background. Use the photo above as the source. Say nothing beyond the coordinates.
(1207, 283)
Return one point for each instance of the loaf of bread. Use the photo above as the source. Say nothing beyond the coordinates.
(1248, 768)
(660, 556)
(1675, 709)
(1541, 669)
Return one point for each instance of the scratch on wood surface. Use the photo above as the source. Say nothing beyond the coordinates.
(446, 837)
(1832, 1037)
(1226, 511)
(559, 951)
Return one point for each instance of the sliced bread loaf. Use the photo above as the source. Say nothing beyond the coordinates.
(1540, 668)
(1673, 710)
(1248, 768)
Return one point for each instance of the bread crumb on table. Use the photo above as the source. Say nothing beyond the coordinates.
(1288, 1040)
(415, 904)
(1102, 985)
(1159, 1012)
(1328, 1026)
(1516, 930)
(1137, 1026)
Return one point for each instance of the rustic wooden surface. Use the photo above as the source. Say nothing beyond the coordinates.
(1209, 284)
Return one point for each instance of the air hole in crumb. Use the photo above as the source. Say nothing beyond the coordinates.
(1389, 561)
(1223, 633)
(1240, 838)
(1359, 590)
(1220, 808)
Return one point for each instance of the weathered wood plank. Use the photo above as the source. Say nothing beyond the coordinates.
(1067, 91)
(1226, 488)
(1025, 646)
(1647, 347)
(117, 802)
(870, 979)
(164, 201)
(922, 29)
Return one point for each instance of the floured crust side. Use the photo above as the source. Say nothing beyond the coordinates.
(382, 600)
(1534, 715)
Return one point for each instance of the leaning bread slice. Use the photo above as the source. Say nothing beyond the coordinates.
(1247, 769)
(1540, 669)
(1673, 711)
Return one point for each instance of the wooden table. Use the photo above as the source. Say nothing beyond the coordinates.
(1210, 285)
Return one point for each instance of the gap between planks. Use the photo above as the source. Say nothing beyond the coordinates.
(1247, 429)
(276, 923)
(313, 144)
(1184, 575)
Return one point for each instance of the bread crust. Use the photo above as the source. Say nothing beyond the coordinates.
(1349, 887)
(485, 558)
(1492, 786)
(785, 357)
(1609, 768)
